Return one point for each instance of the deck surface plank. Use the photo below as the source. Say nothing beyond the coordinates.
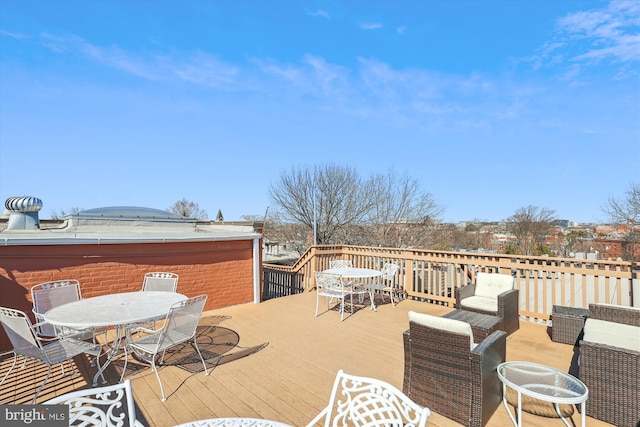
(290, 379)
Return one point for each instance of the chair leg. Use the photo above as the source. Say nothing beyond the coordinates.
(393, 303)
(204, 365)
(15, 359)
(42, 385)
(155, 370)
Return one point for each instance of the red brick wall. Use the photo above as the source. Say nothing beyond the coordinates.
(223, 270)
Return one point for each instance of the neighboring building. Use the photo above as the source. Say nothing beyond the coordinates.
(110, 249)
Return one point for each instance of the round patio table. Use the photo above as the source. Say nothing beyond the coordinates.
(543, 383)
(357, 273)
(113, 310)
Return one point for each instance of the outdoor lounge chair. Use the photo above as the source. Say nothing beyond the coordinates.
(362, 401)
(447, 372)
(111, 405)
(28, 344)
(178, 327)
(610, 364)
(493, 294)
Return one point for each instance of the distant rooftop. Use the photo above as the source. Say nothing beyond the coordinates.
(121, 224)
(130, 213)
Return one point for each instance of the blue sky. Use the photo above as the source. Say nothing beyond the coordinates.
(490, 105)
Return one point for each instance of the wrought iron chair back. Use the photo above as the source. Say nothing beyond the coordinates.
(389, 272)
(111, 405)
(340, 263)
(371, 402)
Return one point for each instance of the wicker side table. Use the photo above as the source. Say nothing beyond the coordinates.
(482, 325)
(568, 323)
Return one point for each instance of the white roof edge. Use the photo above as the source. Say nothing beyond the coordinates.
(113, 239)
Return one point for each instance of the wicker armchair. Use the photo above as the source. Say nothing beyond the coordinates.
(443, 372)
(504, 304)
(611, 373)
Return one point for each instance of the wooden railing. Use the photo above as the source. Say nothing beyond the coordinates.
(431, 276)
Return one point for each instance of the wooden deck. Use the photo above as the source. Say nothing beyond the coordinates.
(279, 363)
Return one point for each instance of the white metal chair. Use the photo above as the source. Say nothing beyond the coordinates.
(340, 263)
(362, 401)
(28, 344)
(160, 281)
(48, 295)
(111, 405)
(178, 327)
(332, 286)
(386, 282)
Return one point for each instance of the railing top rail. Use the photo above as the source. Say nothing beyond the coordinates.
(494, 260)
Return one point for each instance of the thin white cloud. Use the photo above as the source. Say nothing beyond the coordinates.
(196, 67)
(375, 89)
(314, 76)
(321, 13)
(371, 26)
(14, 35)
(608, 35)
(401, 30)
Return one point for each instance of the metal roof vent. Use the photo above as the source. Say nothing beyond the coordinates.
(23, 212)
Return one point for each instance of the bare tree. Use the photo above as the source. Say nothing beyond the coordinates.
(530, 225)
(341, 207)
(324, 198)
(188, 209)
(62, 213)
(627, 211)
(402, 210)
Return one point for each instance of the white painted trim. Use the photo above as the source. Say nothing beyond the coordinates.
(256, 271)
(9, 239)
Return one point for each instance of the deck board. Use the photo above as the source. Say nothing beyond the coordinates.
(290, 379)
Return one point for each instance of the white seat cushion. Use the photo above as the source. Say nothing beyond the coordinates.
(481, 303)
(613, 334)
(490, 285)
(444, 324)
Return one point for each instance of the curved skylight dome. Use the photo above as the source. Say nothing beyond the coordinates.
(131, 212)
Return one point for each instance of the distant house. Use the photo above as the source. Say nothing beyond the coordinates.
(110, 249)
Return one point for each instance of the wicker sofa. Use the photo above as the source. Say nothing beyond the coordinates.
(446, 372)
(612, 372)
(481, 297)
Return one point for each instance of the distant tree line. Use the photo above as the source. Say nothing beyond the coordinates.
(331, 204)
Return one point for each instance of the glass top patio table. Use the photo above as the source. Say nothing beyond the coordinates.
(543, 383)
